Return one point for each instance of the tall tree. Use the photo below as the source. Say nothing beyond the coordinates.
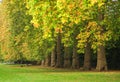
(101, 57)
(4, 32)
(75, 56)
(59, 57)
(87, 56)
(19, 25)
(53, 57)
(111, 11)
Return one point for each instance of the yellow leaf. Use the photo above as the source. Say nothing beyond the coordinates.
(94, 1)
(101, 4)
(36, 25)
(63, 20)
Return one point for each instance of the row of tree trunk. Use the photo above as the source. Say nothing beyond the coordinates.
(68, 60)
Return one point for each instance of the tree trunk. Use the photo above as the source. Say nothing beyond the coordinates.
(42, 62)
(67, 62)
(75, 57)
(48, 60)
(53, 58)
(87, 57)
(101, 59)
(59, 56)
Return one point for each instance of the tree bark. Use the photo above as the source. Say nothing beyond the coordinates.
(53, 58)
(42, 62)
(101, 59)
(48, 60)
(87, 57)
(67, 62)
(59, 56)
(75, 57)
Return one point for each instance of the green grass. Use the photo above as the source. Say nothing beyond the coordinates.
(15, 73)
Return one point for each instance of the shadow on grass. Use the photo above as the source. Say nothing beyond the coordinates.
(41, 69)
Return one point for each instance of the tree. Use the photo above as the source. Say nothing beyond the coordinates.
(53, 57)
(4, 33)
(87, 56)
(19, 24)
(102, 64)
(43, 30)
(59, 57)
(67, 57)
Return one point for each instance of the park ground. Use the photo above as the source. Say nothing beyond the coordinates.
(15, 73)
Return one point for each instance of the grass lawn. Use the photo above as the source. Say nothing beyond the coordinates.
(14, 73)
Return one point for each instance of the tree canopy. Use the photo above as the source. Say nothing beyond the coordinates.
(32, 29)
